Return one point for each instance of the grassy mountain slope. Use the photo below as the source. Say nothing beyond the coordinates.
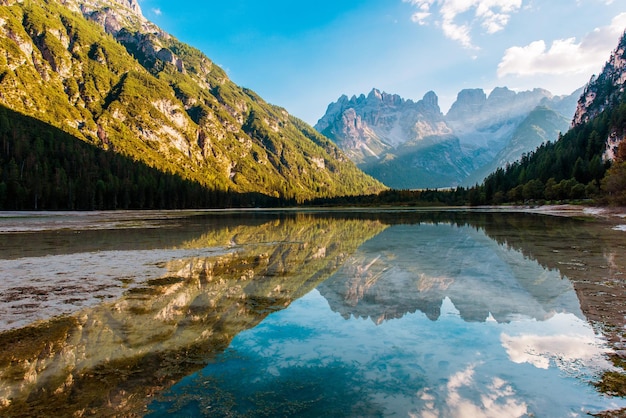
(45, 168)
(140, 92)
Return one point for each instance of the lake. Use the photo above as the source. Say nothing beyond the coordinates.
(343, 313)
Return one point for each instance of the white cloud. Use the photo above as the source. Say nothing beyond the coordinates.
(157, 11)
(564, 56)
(452, 16)
(496, 399)
(459, 33)
(567, 351)
(420, 17)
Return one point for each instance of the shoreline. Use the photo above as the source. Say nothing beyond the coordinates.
(600, 212)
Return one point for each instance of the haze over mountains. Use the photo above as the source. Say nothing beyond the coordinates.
(408, 144)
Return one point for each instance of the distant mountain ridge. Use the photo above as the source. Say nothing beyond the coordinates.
(410, 144)
(100, 71)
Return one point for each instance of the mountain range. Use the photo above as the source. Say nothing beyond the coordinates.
(410, 145)
(98, 70)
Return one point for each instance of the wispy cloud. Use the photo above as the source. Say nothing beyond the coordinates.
(157, 11)
(498, 398)
(564, 56)
(458, 18)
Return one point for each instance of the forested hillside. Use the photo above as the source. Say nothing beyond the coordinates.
(44, 168)
(589, 161)
(103, 74)
(569, 168)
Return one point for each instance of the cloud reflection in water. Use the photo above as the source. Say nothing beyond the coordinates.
(431, 320)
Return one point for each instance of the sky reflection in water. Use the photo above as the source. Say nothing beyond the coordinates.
(429, 320)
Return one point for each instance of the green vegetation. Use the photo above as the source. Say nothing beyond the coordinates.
(44, 168)
(613, 383)
(155, 100)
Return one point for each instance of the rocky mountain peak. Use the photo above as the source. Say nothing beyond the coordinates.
(113, 15)
(367, 126)
(123, 19)
(501, 93)
(468, 102)
(431, 100)
(376, 98)
(343, 99)
(375, 94)
(475, 112)
(131, 6)
(412, 144)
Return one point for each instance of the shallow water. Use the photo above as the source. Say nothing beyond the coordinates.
(287, 313)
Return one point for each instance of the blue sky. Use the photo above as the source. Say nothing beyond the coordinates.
(302, 55)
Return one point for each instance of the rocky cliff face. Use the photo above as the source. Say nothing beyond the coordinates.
(413, 145)
(366, 127)
(113, 15)
(604, 91)
(144, 94)
(488, 121)
(121, 6)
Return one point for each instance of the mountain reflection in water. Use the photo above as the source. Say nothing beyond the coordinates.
(415, 267)
(442, 314)
(109, 359)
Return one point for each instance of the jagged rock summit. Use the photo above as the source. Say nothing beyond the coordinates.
(365, 127)
(86, 5)
(414, 145)
(603, 90)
